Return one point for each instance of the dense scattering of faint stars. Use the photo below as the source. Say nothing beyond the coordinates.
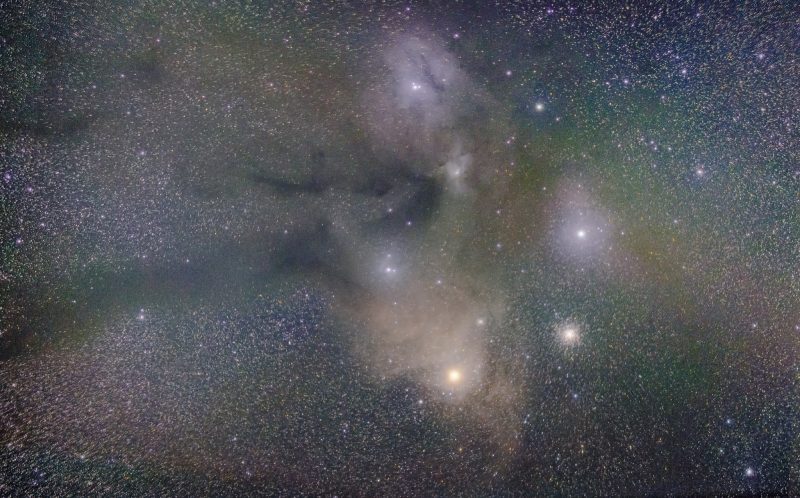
(399, 248)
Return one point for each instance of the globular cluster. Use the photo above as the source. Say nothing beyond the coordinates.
(399, 248)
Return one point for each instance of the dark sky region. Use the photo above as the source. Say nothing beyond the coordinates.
(399, 248)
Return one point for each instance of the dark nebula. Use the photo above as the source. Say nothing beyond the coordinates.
(399, 248)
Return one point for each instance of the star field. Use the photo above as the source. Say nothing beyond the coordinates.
(399, 248)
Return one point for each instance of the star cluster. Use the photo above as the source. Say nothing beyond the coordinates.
(399, 248)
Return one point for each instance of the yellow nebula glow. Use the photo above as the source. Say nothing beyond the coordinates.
(454, 375)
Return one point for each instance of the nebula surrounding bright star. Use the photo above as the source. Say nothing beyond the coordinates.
(393, 248)
(454, 375)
